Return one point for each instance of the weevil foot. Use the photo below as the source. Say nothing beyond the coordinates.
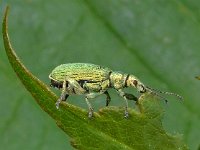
(90, 113)
(126, 115)
(126, 112)
(57, 103)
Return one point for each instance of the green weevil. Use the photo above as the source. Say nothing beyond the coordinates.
(94, 80)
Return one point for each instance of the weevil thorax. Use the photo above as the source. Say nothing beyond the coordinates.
(117, 80)
(121, 80)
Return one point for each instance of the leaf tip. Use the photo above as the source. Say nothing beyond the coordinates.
(5, 18)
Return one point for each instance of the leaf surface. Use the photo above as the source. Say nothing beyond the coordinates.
(108, 129)
(157, 41)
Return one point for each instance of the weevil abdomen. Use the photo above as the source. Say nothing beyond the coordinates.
(97, 86)
(80, 71)
(118, 80)
(92, 78)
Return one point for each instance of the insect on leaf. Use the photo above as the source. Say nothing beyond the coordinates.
(108, 129)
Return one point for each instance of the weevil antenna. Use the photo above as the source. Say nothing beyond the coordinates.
(156, 91)
(163, 98)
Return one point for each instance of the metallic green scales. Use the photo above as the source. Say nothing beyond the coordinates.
(80, 71)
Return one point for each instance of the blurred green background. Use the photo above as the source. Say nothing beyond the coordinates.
(157, 40)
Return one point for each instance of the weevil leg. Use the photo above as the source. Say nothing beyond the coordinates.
(63, 94)
(72, 86)
(91, 96)
(75, 87)
(131, 97)
(108, 99)
(66, 96)
(90, 113)
(122, 94)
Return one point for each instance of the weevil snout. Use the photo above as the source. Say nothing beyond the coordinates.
(132, 81)
(141, 88)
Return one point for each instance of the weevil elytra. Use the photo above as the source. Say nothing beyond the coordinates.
(93, 80)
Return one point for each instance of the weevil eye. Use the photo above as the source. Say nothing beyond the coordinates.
(135, 83)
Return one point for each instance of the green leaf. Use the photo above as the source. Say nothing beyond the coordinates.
(108, 129)
(157, 41)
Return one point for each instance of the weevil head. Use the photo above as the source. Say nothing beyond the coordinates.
(132, 81)
(56, 80)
